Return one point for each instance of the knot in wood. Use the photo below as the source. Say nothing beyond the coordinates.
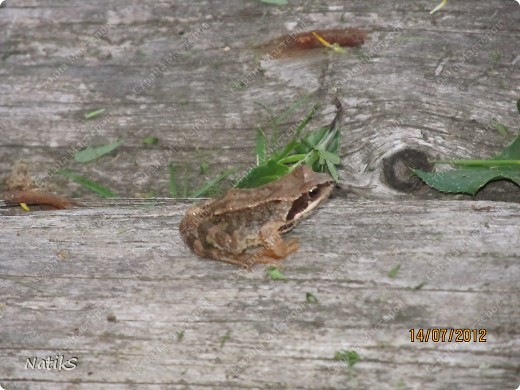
(398, 169)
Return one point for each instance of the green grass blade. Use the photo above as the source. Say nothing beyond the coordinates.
(93, 186)
(211, 183)
(479, 163)
(93, 114)
(287, 113)
(261, 153)
(332, 170)
(305, 121)
(294, 158)
(271, 114)
(274, 2)
(172, 183)
(439, 6)
(185, 182)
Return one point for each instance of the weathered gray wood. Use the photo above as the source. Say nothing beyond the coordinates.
(112, 285)
(428, 83)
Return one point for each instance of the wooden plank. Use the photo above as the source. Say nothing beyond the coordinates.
(433, 84)
(113, 285)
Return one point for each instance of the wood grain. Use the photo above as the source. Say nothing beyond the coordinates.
(114, 285)
(109, 282)
(428, 83)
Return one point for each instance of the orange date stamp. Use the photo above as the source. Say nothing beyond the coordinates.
(443, 335)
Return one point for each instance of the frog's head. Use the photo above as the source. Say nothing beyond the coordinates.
(312, 189)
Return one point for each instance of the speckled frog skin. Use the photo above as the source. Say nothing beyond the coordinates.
(245, 226)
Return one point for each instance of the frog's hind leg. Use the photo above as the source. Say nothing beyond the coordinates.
(276, 252)
(260, 256)
(274, 247)
(273, 252)
(240, 260)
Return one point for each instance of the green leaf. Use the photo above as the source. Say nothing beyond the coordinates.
(317, 149)
(312, 140)
(99, 189)
(238, 85)
(393, 272)
(310, 298)
(180, 335)
(93, 152)
(324, 139)
(472, 175)
(263, 174)
(350, 357)
(203, 167)
(274, 2)
(336, 48)
(275, 274)
(518, 105)
(467, 181)
(511, 152)
(150, 140)
(211, 183)
(93, 114)
(500, 128)
(333, 158)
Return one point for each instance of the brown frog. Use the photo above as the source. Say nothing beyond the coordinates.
(229, 227)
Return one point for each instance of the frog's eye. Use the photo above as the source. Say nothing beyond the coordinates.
(313, 192)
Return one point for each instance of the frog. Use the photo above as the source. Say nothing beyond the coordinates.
(245, 226)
